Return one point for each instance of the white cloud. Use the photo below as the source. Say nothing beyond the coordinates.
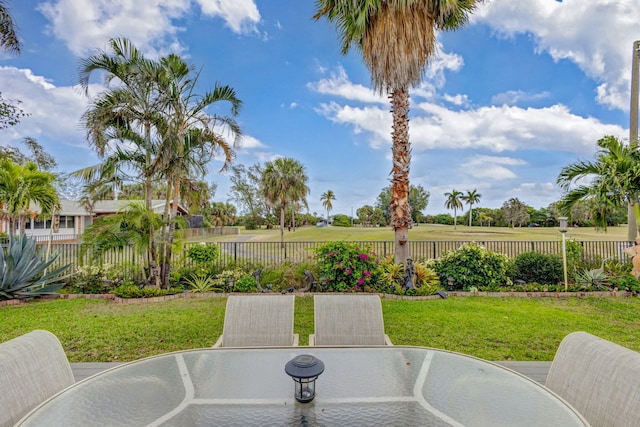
(441, 62)
(250, 143)
(514, 97)
(597, 35)
(505, 128)
(54, 116)
(338, 84)
(86, 26)
(495, 129)
(376, 121)
(241, 16)
(497, 168)
(458, 100)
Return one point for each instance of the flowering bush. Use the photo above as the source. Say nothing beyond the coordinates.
(226, 277)
(346, 266)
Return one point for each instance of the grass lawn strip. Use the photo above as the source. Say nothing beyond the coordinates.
(490, 328)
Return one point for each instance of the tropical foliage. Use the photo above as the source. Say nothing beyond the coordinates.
(471, 198)
(23, 188)
(613, 180)
(453, 201)
(284, 182)
(129, 228)
(326, 199)
(153, 126)
(24, 270)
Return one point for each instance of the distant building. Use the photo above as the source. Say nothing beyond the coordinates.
(74, 218)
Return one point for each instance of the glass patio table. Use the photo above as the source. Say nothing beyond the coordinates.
(360, 386)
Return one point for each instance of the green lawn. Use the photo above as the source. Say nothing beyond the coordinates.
(430, 232)
(490, 328)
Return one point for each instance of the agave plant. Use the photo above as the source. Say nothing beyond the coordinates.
(201, 284)
(23, 271)
(596, 278)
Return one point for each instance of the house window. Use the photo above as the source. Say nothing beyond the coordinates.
(42, 225)
(67, 221)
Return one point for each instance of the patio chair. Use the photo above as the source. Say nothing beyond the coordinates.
(348, 320)
(33, 367)
(258, 321)
(598, 378)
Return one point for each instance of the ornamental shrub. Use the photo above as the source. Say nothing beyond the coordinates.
(471, 265)
(427, 280)
(246, 283)
(203, 253)
(536, 267)
(346, 266)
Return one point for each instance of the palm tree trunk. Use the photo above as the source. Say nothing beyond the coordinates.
(282, 208)
(455, 219)
(401, 157)
(470, 212)
(166, 265)
(152, 252)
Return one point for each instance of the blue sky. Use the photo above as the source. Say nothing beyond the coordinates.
(524, 89)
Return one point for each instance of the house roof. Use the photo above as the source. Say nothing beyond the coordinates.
(71, 207)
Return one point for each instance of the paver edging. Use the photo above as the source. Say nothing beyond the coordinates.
(460, 294)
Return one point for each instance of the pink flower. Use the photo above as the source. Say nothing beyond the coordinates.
(361, 281)
(364, 257)
(348, 271)
(366, 273)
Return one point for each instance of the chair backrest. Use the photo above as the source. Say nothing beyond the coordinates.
(348, 320)
(598, 378)
(33, 367)
(258, 321)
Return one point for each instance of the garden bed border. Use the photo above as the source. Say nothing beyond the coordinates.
(119, 300)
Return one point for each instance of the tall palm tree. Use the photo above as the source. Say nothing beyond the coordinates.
(396, 39)
(126, 112)
(453, 202)
(615, 182)
(284, 181)
(192, 136)
(8, 36)
(471, 198)
(326, 199)
(20, 187)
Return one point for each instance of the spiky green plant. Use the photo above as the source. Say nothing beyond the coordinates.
(23, 271)
(201, 284)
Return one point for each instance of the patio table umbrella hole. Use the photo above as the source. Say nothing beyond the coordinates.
(304, 369)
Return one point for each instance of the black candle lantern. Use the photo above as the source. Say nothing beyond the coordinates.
(304, 370)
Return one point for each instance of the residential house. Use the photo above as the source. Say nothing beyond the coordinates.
(74, 218)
